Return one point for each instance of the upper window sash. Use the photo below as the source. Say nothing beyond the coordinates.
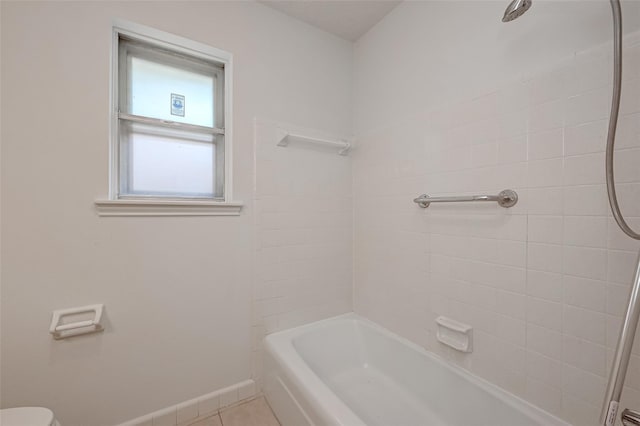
(130, 48)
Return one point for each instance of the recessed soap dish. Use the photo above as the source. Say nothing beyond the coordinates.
(455, 334)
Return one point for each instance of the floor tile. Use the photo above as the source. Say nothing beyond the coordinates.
(252, 413)
(209, 421)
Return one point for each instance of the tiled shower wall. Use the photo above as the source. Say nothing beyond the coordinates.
(304, 234)
(544, 284)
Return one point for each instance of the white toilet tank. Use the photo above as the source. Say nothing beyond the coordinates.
(27, 416)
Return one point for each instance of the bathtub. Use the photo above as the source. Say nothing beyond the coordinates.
(348, 371)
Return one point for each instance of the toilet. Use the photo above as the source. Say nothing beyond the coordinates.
(27, 416)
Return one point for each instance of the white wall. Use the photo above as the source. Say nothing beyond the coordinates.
(447, 100)
(304, 233)
(177, 290)
(431, 53)
(451, 101)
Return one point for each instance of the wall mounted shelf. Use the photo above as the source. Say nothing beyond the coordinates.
(284, 137)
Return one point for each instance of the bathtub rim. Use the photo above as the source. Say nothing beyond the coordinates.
(279, 345)
(332, 410)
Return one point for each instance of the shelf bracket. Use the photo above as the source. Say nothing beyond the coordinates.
(283, 137)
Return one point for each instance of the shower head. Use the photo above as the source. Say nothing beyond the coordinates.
(515, 9)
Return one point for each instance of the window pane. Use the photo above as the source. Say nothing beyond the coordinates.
(169, 93)
(174, 164)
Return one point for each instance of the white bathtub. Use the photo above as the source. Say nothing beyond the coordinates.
(349, 371)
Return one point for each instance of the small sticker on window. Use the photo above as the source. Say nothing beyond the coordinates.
(177, 105)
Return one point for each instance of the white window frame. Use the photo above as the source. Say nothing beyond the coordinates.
(151, 206)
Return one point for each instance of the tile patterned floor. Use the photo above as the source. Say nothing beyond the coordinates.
(253, 413)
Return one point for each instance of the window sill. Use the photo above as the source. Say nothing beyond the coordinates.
(166, 208)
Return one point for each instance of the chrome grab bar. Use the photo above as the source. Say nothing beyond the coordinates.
(623, 354)
(630, 418)
(506, 198)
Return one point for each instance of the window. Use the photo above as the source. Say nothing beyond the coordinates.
(170, 123)
(170, 143)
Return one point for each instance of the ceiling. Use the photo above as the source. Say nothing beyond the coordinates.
(348, 19)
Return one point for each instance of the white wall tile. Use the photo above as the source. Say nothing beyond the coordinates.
(142, 421)
(550, 85)
(613, 330)
(586, 138)
(209, 404)
(167, 417)
(585, 231)
(545, 201)
(552, 283)
(544, 396)
(631, 65)
(591, 71)
(585, 324)
(247, 390)
(626, 165)
(617, 298)
(512, 150)
(511, 304)
(579, 412)
(187, 411)
(512, 253)
(544, 257)
(629, 199)
(585, 262)
(544, 285)
(228, 396)
(546, 144)
(618, 240)
(544, 173)
(544, 341)
(544, 313)
(629, 100)
(584, 169)
(545, 229)
(628, 134)
(547, 116)
(484, 155)
(621, 266)
(585, 293)
(588, 106)
(547, 370)
(507, 278)
(583, 385)
(587, 200)
(585, 355)
(304, 226)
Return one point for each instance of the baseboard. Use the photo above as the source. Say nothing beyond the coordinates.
(198, 408)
